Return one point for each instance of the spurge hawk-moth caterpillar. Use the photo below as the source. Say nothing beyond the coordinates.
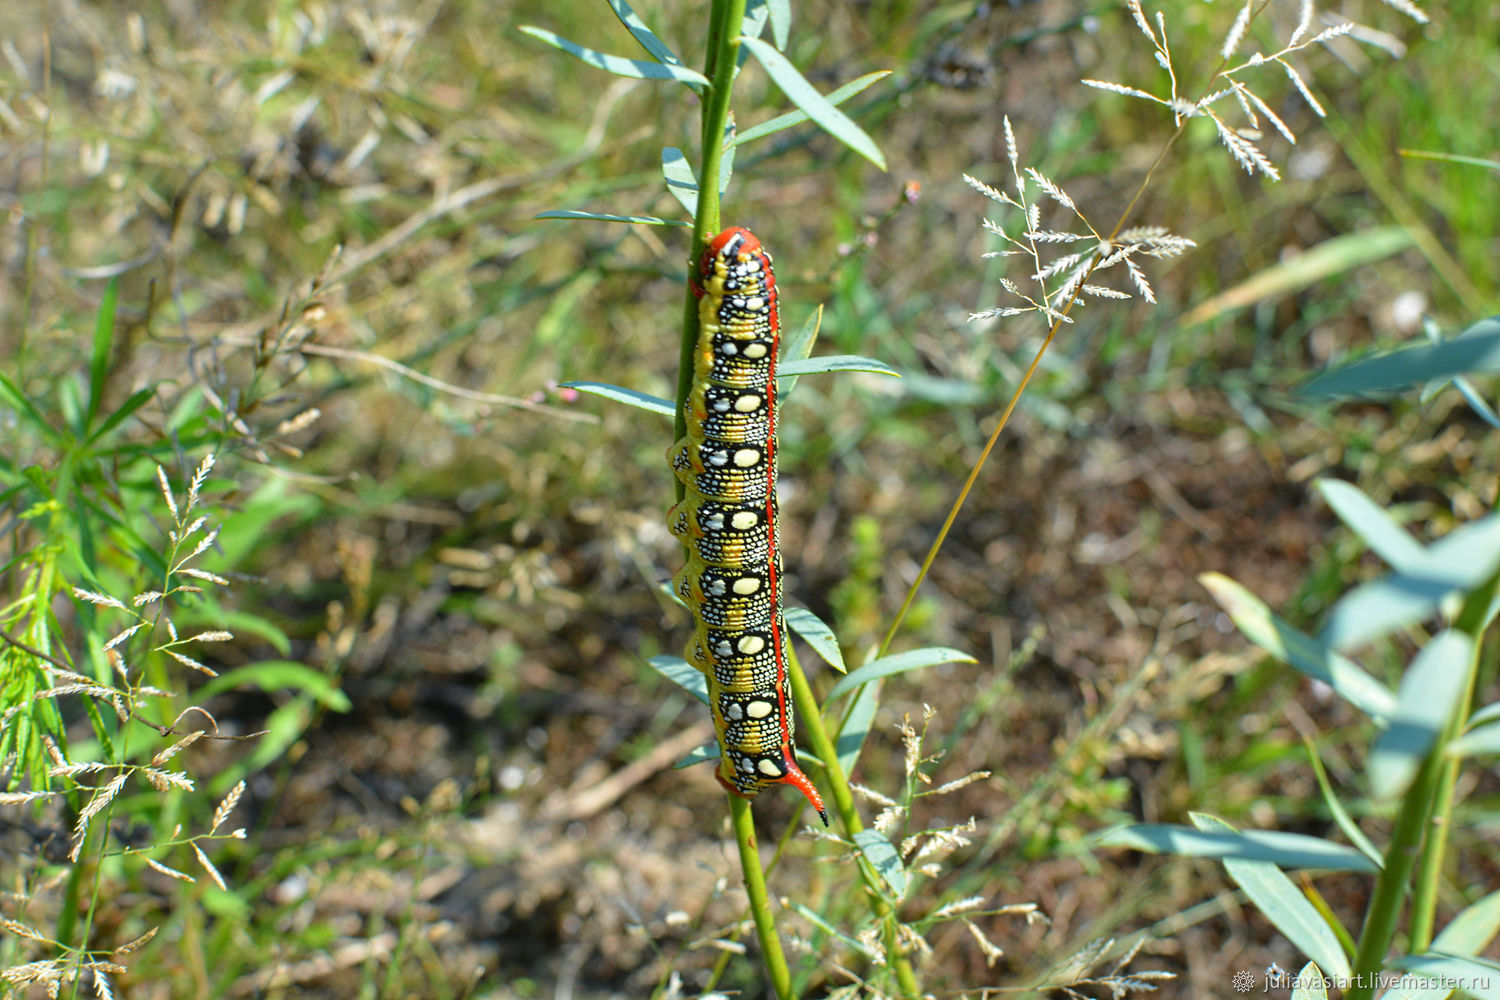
(727, 519)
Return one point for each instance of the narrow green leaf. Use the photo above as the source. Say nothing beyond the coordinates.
(1255, 620)
(856, 726)
(636, 69)
(278, 676)
(882, 856)
(643, 220)
(1284, 850)
(1310, 984)
(137, 399)
(1345, 822)
(104, 338)
(1372, 524)
(833, 363)
(1429, 693)
(796, 347)
(794, 118)
(1282, 903)
(821, 922)
(780, 12)
(681, 184)
(708, 751)
(13, 397)
(657, 49)
(1474, 351)
(1488, 713)
(683, 674)
(630, 397)
(1460, 560)
(818, 635)
(726, 155)
(806, 97)
(899, 663)
(1476, 977)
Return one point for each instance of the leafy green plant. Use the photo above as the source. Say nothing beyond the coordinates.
(1426, 729)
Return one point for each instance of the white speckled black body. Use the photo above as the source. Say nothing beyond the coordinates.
(727, 519)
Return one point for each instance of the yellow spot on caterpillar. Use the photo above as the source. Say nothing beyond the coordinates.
(746, 585)
(744, 520)
(770, 768)
(748, 403)
(751, 644)
(754, 351)
(747, 458)
(758, 709)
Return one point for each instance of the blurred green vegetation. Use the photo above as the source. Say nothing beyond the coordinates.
(293, 196)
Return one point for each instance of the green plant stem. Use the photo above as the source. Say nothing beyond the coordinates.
(719, 67)
(1412, 818)
(843, 803)
(1472, 621)
(760, 901)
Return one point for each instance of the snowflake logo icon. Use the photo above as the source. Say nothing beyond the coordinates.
(1242, 981)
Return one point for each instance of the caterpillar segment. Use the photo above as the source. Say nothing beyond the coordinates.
(727, 520)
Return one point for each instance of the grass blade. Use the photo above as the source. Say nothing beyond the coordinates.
(657, 49)
(816, 633)
(1476, 350)
(104, 337)
(834, 363)
(683, 674)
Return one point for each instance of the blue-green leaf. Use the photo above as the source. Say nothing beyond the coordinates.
(1255, 620)
(1285, 850)
(1476, 350)
(1310, 984)
(647, 38)
(781, 21)
(899, 663)
(643, 220)
(1488, 713)
(1429, 693)
(1460, 560)
(821, 922)
(681, 184)
(683, 674)
(795, 348)
(1469, 933)
(1476, 402)
(637, 69)
(794, 118)
(708, 751)
(882, 856)
(806, 97)
(1479, 742)
(856, 726)
(1475, 976)
(1371, 523)
(818, 635)
(1282, 903)
(833, 363)
(630, 397)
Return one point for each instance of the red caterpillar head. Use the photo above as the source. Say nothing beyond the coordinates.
(732, 242)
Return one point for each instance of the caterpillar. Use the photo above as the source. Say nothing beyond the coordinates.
(727, 519)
